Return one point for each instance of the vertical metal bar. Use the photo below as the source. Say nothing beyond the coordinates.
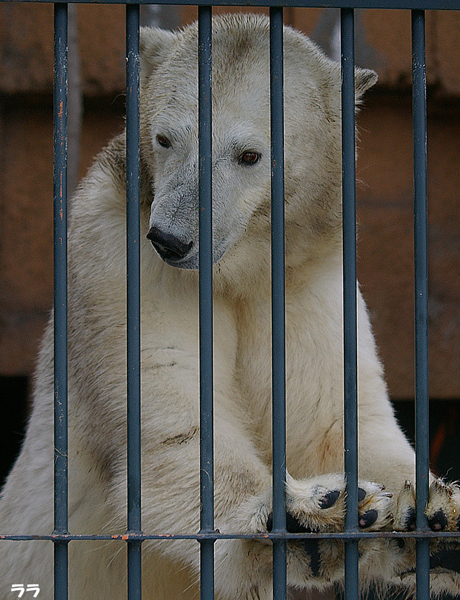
(421, 296)
(205, 290)
(278, 299)
(349, 299)
(133, 299)
(60, 301)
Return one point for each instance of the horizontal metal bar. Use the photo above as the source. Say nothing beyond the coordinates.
(141, 537)
(393, 4)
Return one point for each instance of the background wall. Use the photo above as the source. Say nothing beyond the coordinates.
(384, 170)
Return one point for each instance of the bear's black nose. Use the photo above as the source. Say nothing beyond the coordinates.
(168, 246)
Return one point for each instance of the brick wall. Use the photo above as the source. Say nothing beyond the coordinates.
(384, 170)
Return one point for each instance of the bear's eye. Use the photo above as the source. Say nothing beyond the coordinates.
(249, 158)
(163, 141)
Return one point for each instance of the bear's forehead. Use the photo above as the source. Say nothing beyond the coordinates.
(240, 62)
(240, 78)
(233, 81)
(228, 60)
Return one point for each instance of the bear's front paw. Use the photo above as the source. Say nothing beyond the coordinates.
(318, 504)
(442, 511)
(442, 514)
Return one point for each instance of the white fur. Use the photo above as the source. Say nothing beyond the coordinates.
(242, 351)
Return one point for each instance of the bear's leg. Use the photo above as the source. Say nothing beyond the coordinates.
(243, 505)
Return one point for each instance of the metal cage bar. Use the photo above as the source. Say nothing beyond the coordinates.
(60, 302)
(384, 4)
(349, 300)
(421, 297)
(216, 535)
(133, 301)
(278, 300)
(206, 300)
(207, 536)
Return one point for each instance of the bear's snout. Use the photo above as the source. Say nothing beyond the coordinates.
(169, 247)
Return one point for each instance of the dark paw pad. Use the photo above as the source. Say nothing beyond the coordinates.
(329, 499)
(361, 494)
(438, 522)
(368, 518)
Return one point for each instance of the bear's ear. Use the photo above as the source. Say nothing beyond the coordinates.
(154, 46)
(364, 79)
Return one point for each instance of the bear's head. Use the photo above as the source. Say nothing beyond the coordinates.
(241, 144)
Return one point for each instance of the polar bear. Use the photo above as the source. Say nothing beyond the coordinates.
(169, 352)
